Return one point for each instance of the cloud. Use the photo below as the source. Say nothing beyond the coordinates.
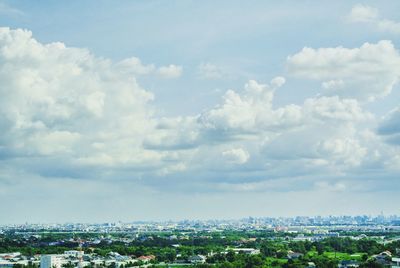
(178, 133)
(66, 114)
(389, 26)
(250, 112)
(363, 13)
(135, 67)
(365, 73)
(334, 108)
(326, 186)
(170, 71)
(236, 156)
(58, 101)
(323, 147)
(366, 14)
(389, 127)
(209, 71)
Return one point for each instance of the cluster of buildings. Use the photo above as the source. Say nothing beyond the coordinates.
(385, 259)
(291, 229)
(263, 223)
(78, 259)
(71, 258)
(9, 259)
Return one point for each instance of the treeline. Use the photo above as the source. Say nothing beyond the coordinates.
(272, 252)
(345, 245)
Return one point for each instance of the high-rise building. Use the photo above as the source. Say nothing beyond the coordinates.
(50, 261)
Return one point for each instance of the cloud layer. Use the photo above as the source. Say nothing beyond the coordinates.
(67, 115)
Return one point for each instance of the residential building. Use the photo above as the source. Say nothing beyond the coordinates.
(348, 264)
(250, 251)
(74, 253)
(395, 263)
(50, 261)
(197, 259)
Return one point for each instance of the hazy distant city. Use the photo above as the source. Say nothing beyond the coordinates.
(362, 222)
(333, 241)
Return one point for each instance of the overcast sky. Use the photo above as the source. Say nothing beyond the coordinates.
(146, 110)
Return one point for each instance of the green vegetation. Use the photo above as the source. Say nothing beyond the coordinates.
(170, 248)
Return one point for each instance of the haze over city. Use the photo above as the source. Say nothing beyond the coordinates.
(156, 110)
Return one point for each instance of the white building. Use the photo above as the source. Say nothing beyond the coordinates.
(250, 251)
(5, 264)
(197, 259)
(50, 261)
(74, 253)
(396, 263)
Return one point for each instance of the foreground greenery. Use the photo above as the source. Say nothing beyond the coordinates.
(274, 248)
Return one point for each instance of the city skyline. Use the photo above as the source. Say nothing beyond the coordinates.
(356, 220)
(154, 110)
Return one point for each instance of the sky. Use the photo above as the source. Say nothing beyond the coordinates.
(157, 110)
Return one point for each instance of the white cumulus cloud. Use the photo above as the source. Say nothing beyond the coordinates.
(364, 73)
(363, 13)
(170, 71)
(367, 14)
(67, 113)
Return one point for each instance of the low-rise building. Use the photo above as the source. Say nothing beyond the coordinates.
(395, 262)
(348, 264)
(5, 264)
(250, 251)
(147, 258)
(294, 255)
(197, 259)
(311, 265)
(74, 253)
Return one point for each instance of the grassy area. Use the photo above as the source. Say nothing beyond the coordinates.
(271, 260)
(174, 265)
(343, 256)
